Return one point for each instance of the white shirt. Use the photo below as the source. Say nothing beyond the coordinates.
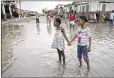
(112, 16)
(67, 9)
(83, 36)
(94, 15)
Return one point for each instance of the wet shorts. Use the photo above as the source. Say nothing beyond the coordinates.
(72, 22)
(82, 50)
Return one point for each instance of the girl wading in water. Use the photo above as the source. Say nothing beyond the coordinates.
(84, 38)
(58, 42)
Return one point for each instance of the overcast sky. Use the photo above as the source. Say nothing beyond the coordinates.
(39, 5)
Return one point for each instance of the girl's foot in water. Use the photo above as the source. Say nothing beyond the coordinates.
(64, 63)
(59, 62)
(80, 65)
(88, 68)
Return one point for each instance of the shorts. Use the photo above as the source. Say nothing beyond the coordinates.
(72, 22)
(82, 50)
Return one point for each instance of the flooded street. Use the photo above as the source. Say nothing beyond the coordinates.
(26, 51)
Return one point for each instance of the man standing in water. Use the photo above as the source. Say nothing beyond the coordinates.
(112, 18)
(97, 16)
(37, 18)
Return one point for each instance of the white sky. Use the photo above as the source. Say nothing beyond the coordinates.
(39, 5)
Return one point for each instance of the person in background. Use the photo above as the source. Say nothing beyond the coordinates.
(97, 16)
(72, 19)
(104, 18)
(91, 17)
(37, 18)
(112, 18)
(49, 17)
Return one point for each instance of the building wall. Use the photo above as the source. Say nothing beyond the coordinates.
(8, 10)
(18, 4)
(109, 6)
(94, 6)
(78, 8)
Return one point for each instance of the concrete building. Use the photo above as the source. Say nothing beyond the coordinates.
(84, 8)
(60, 7)
(94, 6)
(9, 9)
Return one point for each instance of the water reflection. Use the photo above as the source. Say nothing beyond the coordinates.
(7, 57)
(111, 28)
(72, 31)
(49, 28)
(86, 73)
(59, 71)
(38, 28)
(11, 34)
(67, 22)
(102, 49)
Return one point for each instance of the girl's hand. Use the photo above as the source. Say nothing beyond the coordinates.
(69, 44)
(89, 49)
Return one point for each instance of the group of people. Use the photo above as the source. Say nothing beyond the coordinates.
(104, 17)
(83, 36)
(72, 17)
(111, 18)
(94, 17)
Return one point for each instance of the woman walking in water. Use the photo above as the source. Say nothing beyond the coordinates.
(58, 42)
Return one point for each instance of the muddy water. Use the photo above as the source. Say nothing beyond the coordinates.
(26, 51)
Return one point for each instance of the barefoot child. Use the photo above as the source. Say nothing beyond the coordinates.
(83, 36)
(58, 42)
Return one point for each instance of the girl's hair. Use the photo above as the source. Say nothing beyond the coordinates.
(83, 18)
(75, 12)
(58, 20)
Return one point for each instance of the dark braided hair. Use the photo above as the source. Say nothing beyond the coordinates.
(83, 18)
(58, 20)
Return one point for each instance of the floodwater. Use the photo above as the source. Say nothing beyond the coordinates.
(26, 51)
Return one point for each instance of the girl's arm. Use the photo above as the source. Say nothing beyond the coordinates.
(63, 31)
(69, 16)
(73, 38)
(89, 47)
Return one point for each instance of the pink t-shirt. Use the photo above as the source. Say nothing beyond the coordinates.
(83, 36)
(72, 17)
